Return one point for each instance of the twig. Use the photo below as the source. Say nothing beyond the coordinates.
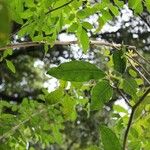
(141, 56)
(139, 64)
(131, 118)
(124, 97)
(12, 130)
(140, 73)
(30, 44)
(59, 7)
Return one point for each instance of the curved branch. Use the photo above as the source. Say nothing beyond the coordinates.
(131, 118)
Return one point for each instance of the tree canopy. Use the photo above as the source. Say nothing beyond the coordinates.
(101, 98)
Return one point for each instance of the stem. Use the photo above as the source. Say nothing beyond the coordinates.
(141, 56)
(139, 64)
(59, 7)
(140, 73)
(131, 118)
(124, 97)
(30, 44)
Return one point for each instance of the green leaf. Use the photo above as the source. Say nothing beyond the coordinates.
(101, 94)
(147, 4)
(119, 109)
(68, 108)
(55, 96)
(83, 38)
(119, 3)
(4, 23)
(73, 27)
(87, 25)
(114, 10)
(119, 61)
(11, 66)
(7, 52)
(132, 73)
(130, 86)
(109, 139)
(78, 71)
(136, 5)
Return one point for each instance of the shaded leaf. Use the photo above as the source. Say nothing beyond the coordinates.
(78, 71)
(109, 139)
(119, 61)
(55, 96)
(130, 86)
(101, 94)
(4, 23)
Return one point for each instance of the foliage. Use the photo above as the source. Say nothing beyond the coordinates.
(84, 87)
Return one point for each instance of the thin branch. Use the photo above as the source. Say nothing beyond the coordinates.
(145, 20)
(12, 130)
(124, 97)
(139, 64)
(141, 56)
(131, 118)
(92, 42)
(59, 7)
(140, 73)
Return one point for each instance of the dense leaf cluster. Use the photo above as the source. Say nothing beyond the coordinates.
(84, 87)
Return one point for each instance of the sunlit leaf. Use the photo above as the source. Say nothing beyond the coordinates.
(11, 66)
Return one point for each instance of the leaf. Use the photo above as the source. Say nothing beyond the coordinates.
(109, 139)
(119, 109)
(11, 66)
(119, 3)
(55, 96)
(132, 73)
(7, 52)
(119, 61)
(147, 4)
(101, 94)
(130, 86)
(114, 10)
(83, 38)
(136, 5)
(87, 25)
(78, 71)
(4, 23)
(68, 108)
(73, 27)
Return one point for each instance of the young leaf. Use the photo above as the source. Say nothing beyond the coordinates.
(109, 139)
(78, 71)
(83, 38)
(11, 66)
(119, 61)
(101, 93)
